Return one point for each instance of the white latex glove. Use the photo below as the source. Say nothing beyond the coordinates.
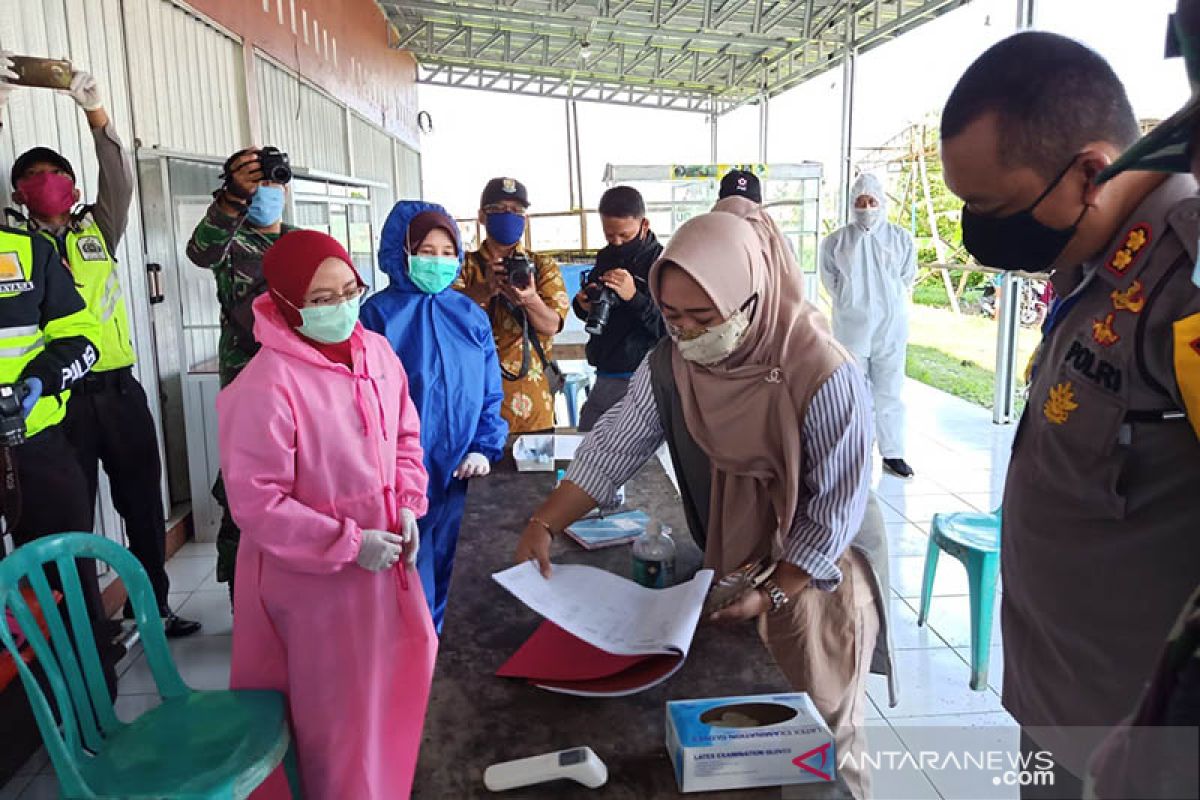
(410, 534)
(379, 550)
(475, 465)
(6, 74)
(85, 91)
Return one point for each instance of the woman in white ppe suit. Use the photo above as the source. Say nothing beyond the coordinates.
(868, 268)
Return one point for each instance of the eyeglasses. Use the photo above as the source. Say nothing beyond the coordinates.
(336, 299)
(503, 209)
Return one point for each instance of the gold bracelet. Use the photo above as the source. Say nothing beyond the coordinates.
(539, 521)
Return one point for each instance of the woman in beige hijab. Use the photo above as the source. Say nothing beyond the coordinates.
(768, 421)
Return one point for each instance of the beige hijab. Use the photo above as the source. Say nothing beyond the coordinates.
(746, 413)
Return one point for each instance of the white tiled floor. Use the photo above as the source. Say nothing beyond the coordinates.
(960, 458)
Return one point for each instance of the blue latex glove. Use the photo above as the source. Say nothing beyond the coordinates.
(34, 385)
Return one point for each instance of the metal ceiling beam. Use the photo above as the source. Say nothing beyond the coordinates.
(453, 11)
(728, 47)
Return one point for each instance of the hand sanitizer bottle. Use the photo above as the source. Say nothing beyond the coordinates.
(654, 557)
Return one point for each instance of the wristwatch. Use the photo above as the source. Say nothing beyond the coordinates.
(776, 595)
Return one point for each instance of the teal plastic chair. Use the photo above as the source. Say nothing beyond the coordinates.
(194, 745)
(576, 382)
(974, 539)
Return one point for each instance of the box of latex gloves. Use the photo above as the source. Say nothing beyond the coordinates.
(746, 742)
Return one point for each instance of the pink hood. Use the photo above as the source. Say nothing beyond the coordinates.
(314, 452)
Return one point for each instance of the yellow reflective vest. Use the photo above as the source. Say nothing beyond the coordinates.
(46, 330)
(95, 272)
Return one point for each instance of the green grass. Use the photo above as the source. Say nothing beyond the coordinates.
(957, 376)
(957, 354)
(928, 294)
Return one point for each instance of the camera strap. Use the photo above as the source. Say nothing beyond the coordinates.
(521, 319)
(553, 373)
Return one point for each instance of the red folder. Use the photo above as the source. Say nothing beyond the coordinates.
(556, 660)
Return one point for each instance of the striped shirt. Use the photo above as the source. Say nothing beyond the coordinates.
(836, 436)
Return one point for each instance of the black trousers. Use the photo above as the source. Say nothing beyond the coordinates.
(54, 499)
(108, 422)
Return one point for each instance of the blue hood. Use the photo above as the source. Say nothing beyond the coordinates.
(393, 258)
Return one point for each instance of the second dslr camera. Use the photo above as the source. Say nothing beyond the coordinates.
(275, 165)
(519, 270)
(603, 299)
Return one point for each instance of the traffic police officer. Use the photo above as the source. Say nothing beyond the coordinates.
(47, 340)
(109, 419)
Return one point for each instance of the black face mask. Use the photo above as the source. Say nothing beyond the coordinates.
(1018, 241)
(623, 253)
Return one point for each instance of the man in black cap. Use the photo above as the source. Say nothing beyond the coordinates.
(108, 418)
(741, 182)
(526, 300)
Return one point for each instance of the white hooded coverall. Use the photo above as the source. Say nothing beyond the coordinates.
(868, 268)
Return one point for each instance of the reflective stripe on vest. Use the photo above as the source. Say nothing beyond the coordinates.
(20, 344)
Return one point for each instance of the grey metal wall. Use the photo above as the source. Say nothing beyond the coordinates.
(174, 81)
(89, 33)
(300, 119)
(186, 75)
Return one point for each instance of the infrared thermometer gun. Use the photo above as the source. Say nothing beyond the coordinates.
(579, 764)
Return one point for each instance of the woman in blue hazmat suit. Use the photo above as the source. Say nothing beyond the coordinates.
(445, 342)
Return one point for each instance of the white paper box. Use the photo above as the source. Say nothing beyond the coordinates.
(750, 741)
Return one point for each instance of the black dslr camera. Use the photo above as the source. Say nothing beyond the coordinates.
(603, 299)
(519, 270)
(275, 165)
(12, 416)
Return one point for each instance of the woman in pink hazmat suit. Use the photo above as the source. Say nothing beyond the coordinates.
(320, 448)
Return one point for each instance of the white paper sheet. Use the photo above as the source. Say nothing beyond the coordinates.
(610, 612)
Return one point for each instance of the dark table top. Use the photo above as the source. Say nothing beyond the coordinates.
(476, 719)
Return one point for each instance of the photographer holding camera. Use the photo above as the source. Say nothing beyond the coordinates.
(244, 220)
(526, 300)
(615, 301)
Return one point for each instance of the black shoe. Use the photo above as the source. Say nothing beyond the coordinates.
(898, 467)
(177, 627)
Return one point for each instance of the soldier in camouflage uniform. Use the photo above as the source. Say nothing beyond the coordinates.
(245, 219)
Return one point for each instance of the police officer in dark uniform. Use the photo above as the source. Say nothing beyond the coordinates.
(1099, 544)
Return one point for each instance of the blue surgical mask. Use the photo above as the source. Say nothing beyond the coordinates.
(432, 274)
(266, 207)
(329, 324)
(505, 227)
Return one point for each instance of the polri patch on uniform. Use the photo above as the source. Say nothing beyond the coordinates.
(1060, 403)
(1135, 242)
(1103, 373)
(91, 248)
(1132, 299)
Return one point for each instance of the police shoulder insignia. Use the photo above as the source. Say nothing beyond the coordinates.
(91, 248)
(1103, 333)
(1060, 403)
(10, 267)
(1136, 240)
(1187, 365)
(1132, 299)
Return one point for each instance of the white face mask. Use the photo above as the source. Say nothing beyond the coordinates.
(867, 217)
(715, 344)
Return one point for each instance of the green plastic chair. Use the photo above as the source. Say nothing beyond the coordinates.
(196, 744)
(974, 539)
